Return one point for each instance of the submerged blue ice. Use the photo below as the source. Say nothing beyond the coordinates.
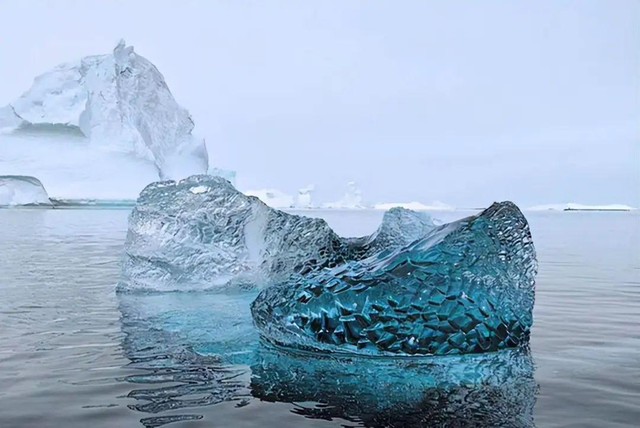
(191, 350)
(465, 287)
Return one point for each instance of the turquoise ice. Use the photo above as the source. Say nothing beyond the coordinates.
(465, 287)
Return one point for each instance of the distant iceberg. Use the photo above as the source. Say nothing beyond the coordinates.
(305, 196)
(416, 206)
(101, 127)
(272, 197)
(580, 207)
(352, 199)
(18, 190)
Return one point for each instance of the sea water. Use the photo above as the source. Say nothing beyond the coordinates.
(73, 353)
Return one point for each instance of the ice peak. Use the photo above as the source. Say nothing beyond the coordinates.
(121, 52)
(121, 103)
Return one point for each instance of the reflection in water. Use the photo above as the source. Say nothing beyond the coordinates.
(495, 389)
(200, 349)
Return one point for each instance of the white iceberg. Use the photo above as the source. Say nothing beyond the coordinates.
(351, 200)
(571, 206)
(101, 127)
(16, 190)
(272, 197)
(304, 199)
(415, 206)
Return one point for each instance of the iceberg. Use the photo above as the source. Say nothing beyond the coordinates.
(351, 200)
(465, 287)
(202, 233)
(16, 190)
(103, 122)
(304, 199)
(272, 197)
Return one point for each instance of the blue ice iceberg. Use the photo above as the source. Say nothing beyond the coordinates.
(465, 287)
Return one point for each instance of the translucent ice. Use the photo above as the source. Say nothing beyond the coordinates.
(22, 190)
(467, 286)
(201, 233)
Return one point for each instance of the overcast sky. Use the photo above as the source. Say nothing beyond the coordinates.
(463, 102)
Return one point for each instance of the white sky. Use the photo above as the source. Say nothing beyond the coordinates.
(464, 102)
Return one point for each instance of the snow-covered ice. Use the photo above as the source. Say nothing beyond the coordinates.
(16, 190)
(101, 127)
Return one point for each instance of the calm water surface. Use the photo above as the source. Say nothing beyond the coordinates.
(73, 353)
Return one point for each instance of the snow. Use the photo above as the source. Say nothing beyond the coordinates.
(352, 199)
(272, 197)
(196, 190)
(580, 207)
(18, 190)
(416, 206)
(103, 117)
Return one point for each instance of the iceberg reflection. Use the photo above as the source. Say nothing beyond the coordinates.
(493, 389)
(194, 350)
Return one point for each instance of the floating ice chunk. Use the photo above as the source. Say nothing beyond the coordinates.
(112, 105)
(272, 197)
(416, 206)
(22, 190)
(352, 199)
(467, 286)
(305, 197)
(183, 237)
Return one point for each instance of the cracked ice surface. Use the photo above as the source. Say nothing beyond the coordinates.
(201, 233)
(465, 287)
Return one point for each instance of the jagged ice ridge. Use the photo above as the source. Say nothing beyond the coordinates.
(465, 287)
(201, 233)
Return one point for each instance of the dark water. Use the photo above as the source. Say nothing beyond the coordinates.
(75, 354)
